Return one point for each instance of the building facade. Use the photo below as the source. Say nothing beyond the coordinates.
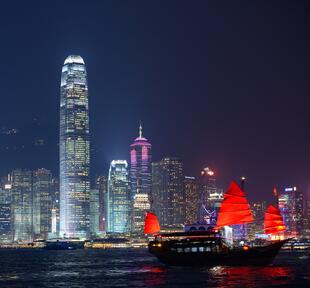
(94, 212)
(118, 209)
(191, 193)
(102, 187)
(210, 197)
(141, 180)
(5, 211)
(168, 192)
(291, 205)
(22, 196)
(74, 149)
(42, 203)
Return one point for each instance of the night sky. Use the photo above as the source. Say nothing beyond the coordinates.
(222, 84)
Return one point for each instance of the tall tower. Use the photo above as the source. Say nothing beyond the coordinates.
(210, 197)
(42, 203)
(191, 194)
(118, 204)
(291, 205)
(141, 180)
(168, 192)
(74, 149)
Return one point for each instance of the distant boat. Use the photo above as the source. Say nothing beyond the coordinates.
(64, 244)
(210, 247)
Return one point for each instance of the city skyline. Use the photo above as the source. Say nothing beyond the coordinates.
(241, 112)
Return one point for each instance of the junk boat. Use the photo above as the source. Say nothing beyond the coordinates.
(211, 247)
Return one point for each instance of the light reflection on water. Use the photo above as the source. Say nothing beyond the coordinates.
(137, 268)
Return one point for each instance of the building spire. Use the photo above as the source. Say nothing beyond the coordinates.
(140, 130)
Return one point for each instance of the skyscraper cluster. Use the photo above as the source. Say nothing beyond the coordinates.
(36, 205)
(29, 206)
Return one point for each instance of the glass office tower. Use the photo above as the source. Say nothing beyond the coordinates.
(118, 202)
(74, 149)
(141, 180)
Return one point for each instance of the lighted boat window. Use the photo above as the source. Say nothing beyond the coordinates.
(186, 250)
(179, 250)
(201, 249)
(194, 249)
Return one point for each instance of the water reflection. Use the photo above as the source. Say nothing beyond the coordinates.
(250, 276)
(155, 275)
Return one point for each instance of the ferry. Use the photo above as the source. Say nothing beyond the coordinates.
(211, 247)
(64, 244)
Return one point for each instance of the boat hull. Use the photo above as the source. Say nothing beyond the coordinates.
(253, 256)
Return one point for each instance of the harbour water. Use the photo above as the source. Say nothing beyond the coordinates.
(137, 268)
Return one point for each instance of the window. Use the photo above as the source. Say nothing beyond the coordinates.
(194, 249)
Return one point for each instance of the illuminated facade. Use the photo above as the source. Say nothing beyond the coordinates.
(118, 209)
(102, 186)
(168, 192)
(191, 200)
(141, 180)
(21, 181)
(257, 227)
(42, 203)
(291, 205)
(74, 149)
(94, 212)
(210, 197)
(55, 207)
(5, 211)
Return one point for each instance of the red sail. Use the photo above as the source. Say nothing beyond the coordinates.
(151, 224)
(273, 221)
(234, 208)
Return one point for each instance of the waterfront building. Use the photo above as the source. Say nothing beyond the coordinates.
(291, 205)
(168, 192)
(42, 203)
(118, 211)
(21, 181)
(140, 180)
(102, 186)
(191, 199)
(210, 197)
(257, 227)
(306, 217)
(55, 208)
(5, 211)
(94, 212)
(74, 149)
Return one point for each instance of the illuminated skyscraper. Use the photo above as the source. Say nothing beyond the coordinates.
(5, 210)
(102, 186)
(42, 203)
(94, 212)
(291, 204)
(22, 181)
(118, 199)
(141, 180)
(257, 227)
(74, 149)
(168, 192)
(191, 200)
(210, 197)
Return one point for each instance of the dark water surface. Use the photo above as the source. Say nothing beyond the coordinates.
(137, 268)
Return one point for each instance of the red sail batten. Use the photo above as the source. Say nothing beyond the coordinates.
(151, 224)
(235, 208)
(273, 222)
